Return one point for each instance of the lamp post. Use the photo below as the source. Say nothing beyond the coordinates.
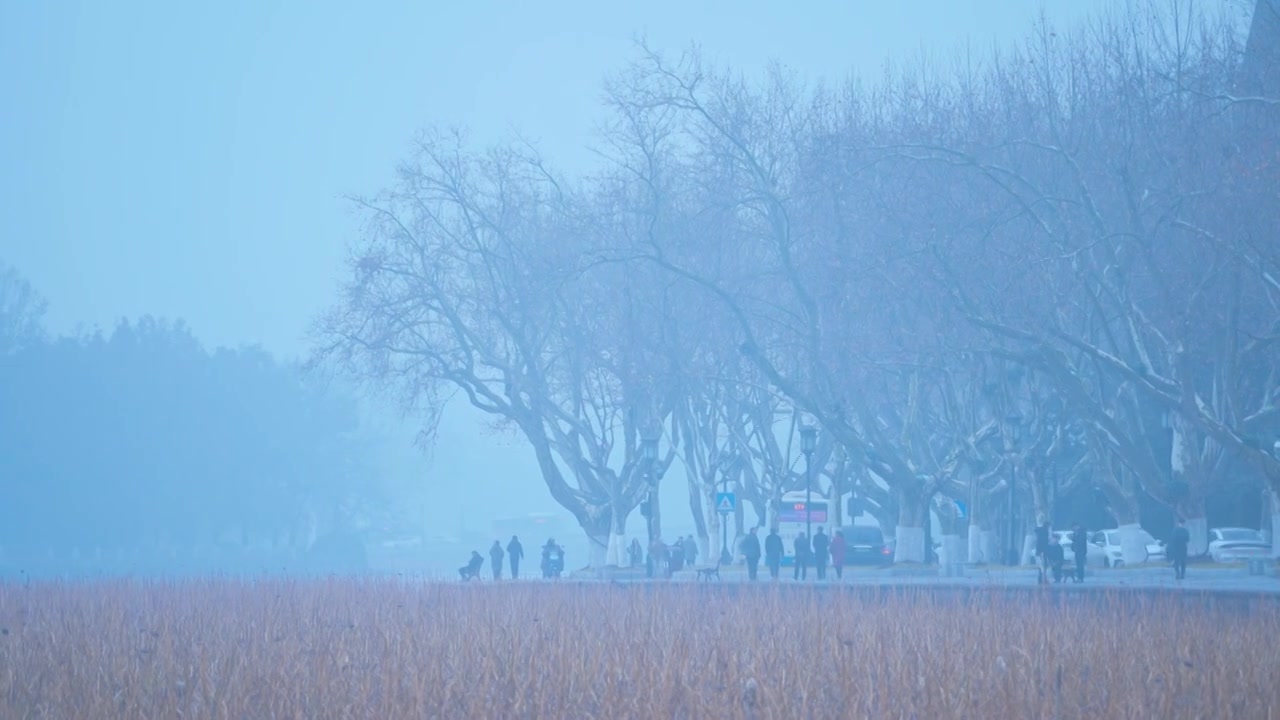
(808, 443)
(649, 456)
(1014, 421)
(726, 460)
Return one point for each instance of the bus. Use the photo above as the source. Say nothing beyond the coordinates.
(790, 516)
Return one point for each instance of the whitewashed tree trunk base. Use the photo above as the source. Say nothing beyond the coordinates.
(616, 555)
(1028, 549)
(598, 547)
(989, 543)
(910, 545)
(954, 550)
(974, 554)
(1275, 533)
(1198, 529)
(1132, 549)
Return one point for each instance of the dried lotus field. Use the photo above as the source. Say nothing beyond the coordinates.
(395, 649)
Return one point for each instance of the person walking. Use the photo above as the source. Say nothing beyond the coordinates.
(690, 551)
(1079, 548)
(1042, 547)
(659, 557)
(802, 550)
(515, 553)
(495, 559)
(1178, 543)
(821, 543)
(750, 547)
(837, 553)
(773, 552)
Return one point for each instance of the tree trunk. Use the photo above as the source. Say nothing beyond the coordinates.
(982, 534)
(955, 549)
(716, 522)
(616, 552)
(655, 510)
(739, 516)
(912, 515)
(1197, 527)
(699, 520)
(975, 551)
(1188, 471)
(1275, 524)
(598, 534)
(1124, 505)
(695, 507)
(1133, 549)
(1028, 556)
(989, 546)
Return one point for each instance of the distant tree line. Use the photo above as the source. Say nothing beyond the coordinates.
(1033, 278)
(142, 438)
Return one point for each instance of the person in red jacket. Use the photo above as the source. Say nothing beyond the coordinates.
(837, 553)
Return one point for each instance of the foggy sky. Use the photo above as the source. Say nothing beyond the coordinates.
(190, 160)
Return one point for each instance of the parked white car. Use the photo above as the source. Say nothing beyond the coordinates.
(1109, 542)
(1232, 544)
(1095, 557)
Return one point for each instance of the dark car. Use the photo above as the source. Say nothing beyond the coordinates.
(865, 545)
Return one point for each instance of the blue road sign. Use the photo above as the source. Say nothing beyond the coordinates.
(725, 503)
(961, 511)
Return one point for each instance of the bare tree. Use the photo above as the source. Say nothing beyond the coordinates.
(468, 280)
(21, 311)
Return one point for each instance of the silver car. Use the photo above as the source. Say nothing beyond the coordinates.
(1233, 544)
(1109, 542)
(1094, 557)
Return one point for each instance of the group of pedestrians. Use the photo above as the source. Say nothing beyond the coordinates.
(816, 553)
(513, 554)
(1053, 556)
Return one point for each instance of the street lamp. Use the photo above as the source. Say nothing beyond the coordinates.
(1014, 421)
(727, 457)
(649, 456)
(808, 443)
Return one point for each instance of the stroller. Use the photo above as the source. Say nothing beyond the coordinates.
(471, 570)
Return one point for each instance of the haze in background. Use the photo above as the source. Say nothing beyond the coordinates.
(191, 161)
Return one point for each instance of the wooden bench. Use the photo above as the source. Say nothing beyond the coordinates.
(706, 573)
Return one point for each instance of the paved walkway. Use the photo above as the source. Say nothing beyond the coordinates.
(1226, 579)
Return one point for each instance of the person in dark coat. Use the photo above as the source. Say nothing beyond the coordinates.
(472, 568)
(803, 552)
(1056, 557)
(1080, 548)
(690, 551)
(837, 553)
(750, 547)
(495, 559)
(821, 543)
(675, 559)
(773, 553)
(515, 553)
(1178, 543)
(636, 552)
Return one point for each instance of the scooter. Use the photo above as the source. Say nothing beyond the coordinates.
(552, 563)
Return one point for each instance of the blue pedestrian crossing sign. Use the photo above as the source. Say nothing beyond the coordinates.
(725, 503)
